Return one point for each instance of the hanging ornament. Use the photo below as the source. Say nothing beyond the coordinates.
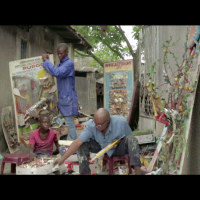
(186, 72)
(157, 96)
(180, 108)
(176, 79)
(165, 50)
(186, 88)
(175, 83)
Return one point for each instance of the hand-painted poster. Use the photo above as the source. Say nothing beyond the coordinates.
(118, 87)
(30, 83)
(9, 130)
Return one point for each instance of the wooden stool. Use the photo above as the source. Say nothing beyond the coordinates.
(14, 159)
(112, 160)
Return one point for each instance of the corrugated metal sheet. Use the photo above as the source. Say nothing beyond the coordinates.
(85, 69)
(101, 80)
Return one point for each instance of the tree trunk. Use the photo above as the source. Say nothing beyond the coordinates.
(136, 65)
(118, 28)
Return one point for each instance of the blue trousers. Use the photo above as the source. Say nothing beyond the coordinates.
(69, 121)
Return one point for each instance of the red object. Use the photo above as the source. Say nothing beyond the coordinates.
(112, 160)
(186, 80)
(14, 159)
(174, 104)
(91, 162)
(192, 52)
(159, 118)
(32, 84)
(80, 125)
(70, 165)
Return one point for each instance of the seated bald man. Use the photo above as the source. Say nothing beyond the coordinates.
(100, 132)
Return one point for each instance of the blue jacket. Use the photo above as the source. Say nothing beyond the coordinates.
(67, 96)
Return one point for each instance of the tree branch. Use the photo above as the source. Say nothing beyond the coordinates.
(82, 54)
(118, 28)
(119, 54)
(95, 58)
(91, 55)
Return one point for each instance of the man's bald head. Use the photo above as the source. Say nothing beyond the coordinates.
(102, 113)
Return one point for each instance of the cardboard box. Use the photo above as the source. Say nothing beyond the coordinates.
(44, 170)
(142, 139)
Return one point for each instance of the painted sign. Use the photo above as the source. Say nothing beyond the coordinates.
(118, 87)
(29, 82)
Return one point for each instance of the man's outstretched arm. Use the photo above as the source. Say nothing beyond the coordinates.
(72, 148)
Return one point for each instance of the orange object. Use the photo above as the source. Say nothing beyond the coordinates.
(80, 126)
(24, 142)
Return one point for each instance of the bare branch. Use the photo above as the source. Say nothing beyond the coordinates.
(118, 28)
(118, 53)
(91, 55)
(95, 58)
(82, 54)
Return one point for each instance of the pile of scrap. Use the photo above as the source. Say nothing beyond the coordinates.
(82, 119)
(39, 163)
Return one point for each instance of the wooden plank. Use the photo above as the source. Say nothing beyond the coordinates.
(81, 87)
(92, 96)
(86, 92)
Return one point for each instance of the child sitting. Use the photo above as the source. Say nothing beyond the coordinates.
(42, 139)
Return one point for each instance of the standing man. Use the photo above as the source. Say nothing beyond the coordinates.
(100, 132)
(67, 96)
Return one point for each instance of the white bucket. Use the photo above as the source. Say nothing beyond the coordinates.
(123, 169)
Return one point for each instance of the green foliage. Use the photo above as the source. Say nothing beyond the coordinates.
(107, 47)
(136, 30)
(105, 54)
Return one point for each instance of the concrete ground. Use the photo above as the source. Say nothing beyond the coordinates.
(23, 149)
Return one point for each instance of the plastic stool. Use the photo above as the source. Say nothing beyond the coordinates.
(112, 160)
(14, 159)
